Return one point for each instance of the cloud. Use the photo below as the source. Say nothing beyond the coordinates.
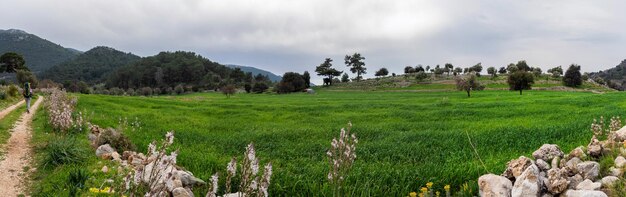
(286, 35)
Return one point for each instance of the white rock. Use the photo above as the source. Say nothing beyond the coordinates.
(589, 169)
(181, 192)
(116, 157)
(557, 181)
(588, 185)
(571, 166)
(238, 194)
(188, 179)
(491, 185)
(106, 148)
(542, 165)
(608, 181)
(515, 167)
(574, 181)
(105, 169)
(577, 152)
(547, 152)
(615, 171)
(620, 135)
(527, 184)
(620, 162)
(583, 193)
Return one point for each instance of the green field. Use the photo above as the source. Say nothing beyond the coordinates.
(405, 138)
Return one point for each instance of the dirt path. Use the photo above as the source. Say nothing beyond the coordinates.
(17, 153)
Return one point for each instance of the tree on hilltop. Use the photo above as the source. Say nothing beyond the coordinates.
(382, 72)
(325, 69)
(356, 64)
(11, 62)
(492, 71)
(520, 80)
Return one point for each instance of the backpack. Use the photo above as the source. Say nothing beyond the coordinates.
(27, 91)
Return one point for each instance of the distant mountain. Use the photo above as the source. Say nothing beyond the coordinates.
(613, 77)
(255, 71)
(92, 66)
(40, 54)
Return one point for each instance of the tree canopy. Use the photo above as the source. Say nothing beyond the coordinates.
(11, 62)
(356, 64)
(572, 77)
(520, 80)
(325, 69)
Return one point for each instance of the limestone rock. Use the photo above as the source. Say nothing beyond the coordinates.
(571, 166)
(584, 193)
(105, 169)
(515, 167)
(577, 152)
(588, 185)
(613, 171)
(188, 179)
(620, 135)
(574, 181)
(181, 192)
(589, 169)
(608, 181)
(542, 165)
(527, 184)
(491, 185)
(238, 194)
(557, 181)
(594, 148)
(547, 152)
(106, 148)
(116, 157)
(620, 162)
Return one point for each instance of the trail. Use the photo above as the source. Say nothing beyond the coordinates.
(17, 153)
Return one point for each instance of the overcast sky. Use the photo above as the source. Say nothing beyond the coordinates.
(296, 35)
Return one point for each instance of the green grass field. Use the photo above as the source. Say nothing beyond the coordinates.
(405, 138)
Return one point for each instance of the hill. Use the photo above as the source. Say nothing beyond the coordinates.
(273, 77)
(613, 77)
(40, 54)
(92, 66)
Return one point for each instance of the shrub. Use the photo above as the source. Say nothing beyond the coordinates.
(130, 92)
(179, 89)
(259, 87)
(13, 91)
(168, 91)
(116, 91)
(421, 76)
(116, 139)
(572, 77)
(146, 91)
(284, 87)
(106, 92)
(62, 150)
(228, 90)
(156, 91)
(3, 95)
(60, 108)
(248, 87)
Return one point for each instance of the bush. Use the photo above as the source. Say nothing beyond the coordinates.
(62, 150)
(130, 92)
(248, 87)
(116, 91)
(168, 91)
(259, 87)
(156, 91)
(179, 89)
(146, 91)
(104, 92)
(229, 90)
(116, 139)
(13, 91)
(3, 95)
(421, 76)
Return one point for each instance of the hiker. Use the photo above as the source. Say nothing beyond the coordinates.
(28, 94)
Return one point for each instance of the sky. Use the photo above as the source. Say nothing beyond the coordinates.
(297, 35)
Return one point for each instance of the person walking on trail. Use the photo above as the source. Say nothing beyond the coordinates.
(28, 94)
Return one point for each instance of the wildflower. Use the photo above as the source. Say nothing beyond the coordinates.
(429, 185)
(267, 175)
(413, 194)
(424, 189)
(447, 187)
(437, 193)
(169, 137)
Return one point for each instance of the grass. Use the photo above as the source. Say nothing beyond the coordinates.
(405, 138)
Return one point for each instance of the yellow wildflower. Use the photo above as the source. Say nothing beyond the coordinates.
(447, 187)
(429, 185)
(424, 189)
(103, 190)
(413, 194)
(437, 193)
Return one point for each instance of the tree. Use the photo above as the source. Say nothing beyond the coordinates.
(11, 62)
(291, 82)
(420, 76)
(24, 76)
(572, 77)
(556, 71)
(468, 83)
(229, 90)
(536, 71)
(449, 68)
(477, 68)
(522, 65)
(356, 64)
(408, 70)
(247, 87)
(457, 70)
(325, 69)
(307, 79)
(512, 68)
(345, 78)
(382, 72)
(502, 70)
(465, 70)
(520, 80)
(259, 87)
(427, 68)
(419, 68)
(438, 71)
(492, 71)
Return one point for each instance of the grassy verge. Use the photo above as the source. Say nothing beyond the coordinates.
(6, 124)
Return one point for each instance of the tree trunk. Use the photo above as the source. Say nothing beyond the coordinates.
(520, 91)
(468, 93)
